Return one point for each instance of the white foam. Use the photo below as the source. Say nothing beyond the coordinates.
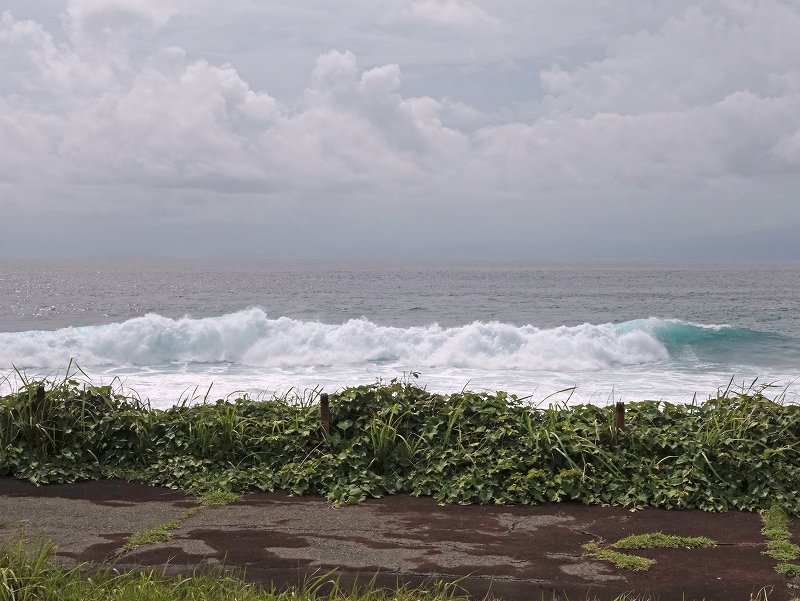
(167, 385)
(252, 338)
(165, 359)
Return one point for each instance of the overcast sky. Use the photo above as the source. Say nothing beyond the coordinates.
(520, 129)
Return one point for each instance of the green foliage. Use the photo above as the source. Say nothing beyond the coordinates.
(659, 540)
(218, 497)
(791, 570)
(776, 530)
(738, 451)
(158, 534)
(650, 540)
(776, 523)
(782, 550)
(623, 561)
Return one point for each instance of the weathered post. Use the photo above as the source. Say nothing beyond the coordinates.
(38, 407)
(325, 414)
(620, 417)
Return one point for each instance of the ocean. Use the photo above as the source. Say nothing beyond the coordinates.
(575, 332)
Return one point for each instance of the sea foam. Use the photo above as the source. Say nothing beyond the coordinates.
(167, 359)
(252, 338)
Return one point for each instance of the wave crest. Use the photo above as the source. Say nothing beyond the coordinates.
(251, 338)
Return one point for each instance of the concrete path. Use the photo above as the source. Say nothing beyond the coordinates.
(510, 552)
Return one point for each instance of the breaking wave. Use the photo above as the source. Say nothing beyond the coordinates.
(252, 338)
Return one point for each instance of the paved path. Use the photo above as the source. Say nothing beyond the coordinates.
(511, 552)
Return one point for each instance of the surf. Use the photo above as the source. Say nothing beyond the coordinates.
(252, 338)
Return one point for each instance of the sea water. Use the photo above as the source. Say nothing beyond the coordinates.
(605, 331)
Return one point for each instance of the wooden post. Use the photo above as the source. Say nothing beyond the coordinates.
(38, 407)
(325, 414)
(620, 421)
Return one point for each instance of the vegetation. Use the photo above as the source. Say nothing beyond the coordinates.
(782, 550)
(776, 523)
(163, 532)
(659, 540)
(623, 561)
(776, 531)
(736, 451)
(650, 540)
(158, 534)
(218, 497)
(792, 570)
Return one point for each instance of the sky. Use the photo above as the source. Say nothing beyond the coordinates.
(400, 129)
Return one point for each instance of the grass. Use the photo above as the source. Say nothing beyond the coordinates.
(659, 540)
(779, 547)
(163, 532)
(776, 523)
(650, 540)
(623, 561)
(791, 570)
(218, 497)
(157, 534)
(193, 511)
(782, 550)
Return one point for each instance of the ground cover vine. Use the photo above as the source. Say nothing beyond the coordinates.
(737, 451)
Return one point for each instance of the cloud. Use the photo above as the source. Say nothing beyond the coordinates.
(105, 20)
(685, 109)
(175, 121)
(179, 122)
(346, 109)
(788, 148)
(738, 136)
(696, 57)
(37, 70)
(448, 13)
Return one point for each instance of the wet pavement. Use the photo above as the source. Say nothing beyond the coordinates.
(512, 552)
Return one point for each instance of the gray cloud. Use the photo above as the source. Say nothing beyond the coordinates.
(627, 125)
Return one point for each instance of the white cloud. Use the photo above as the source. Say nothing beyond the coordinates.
(176, 121)
(355, 127)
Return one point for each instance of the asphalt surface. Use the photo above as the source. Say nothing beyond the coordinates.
(511, 552)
